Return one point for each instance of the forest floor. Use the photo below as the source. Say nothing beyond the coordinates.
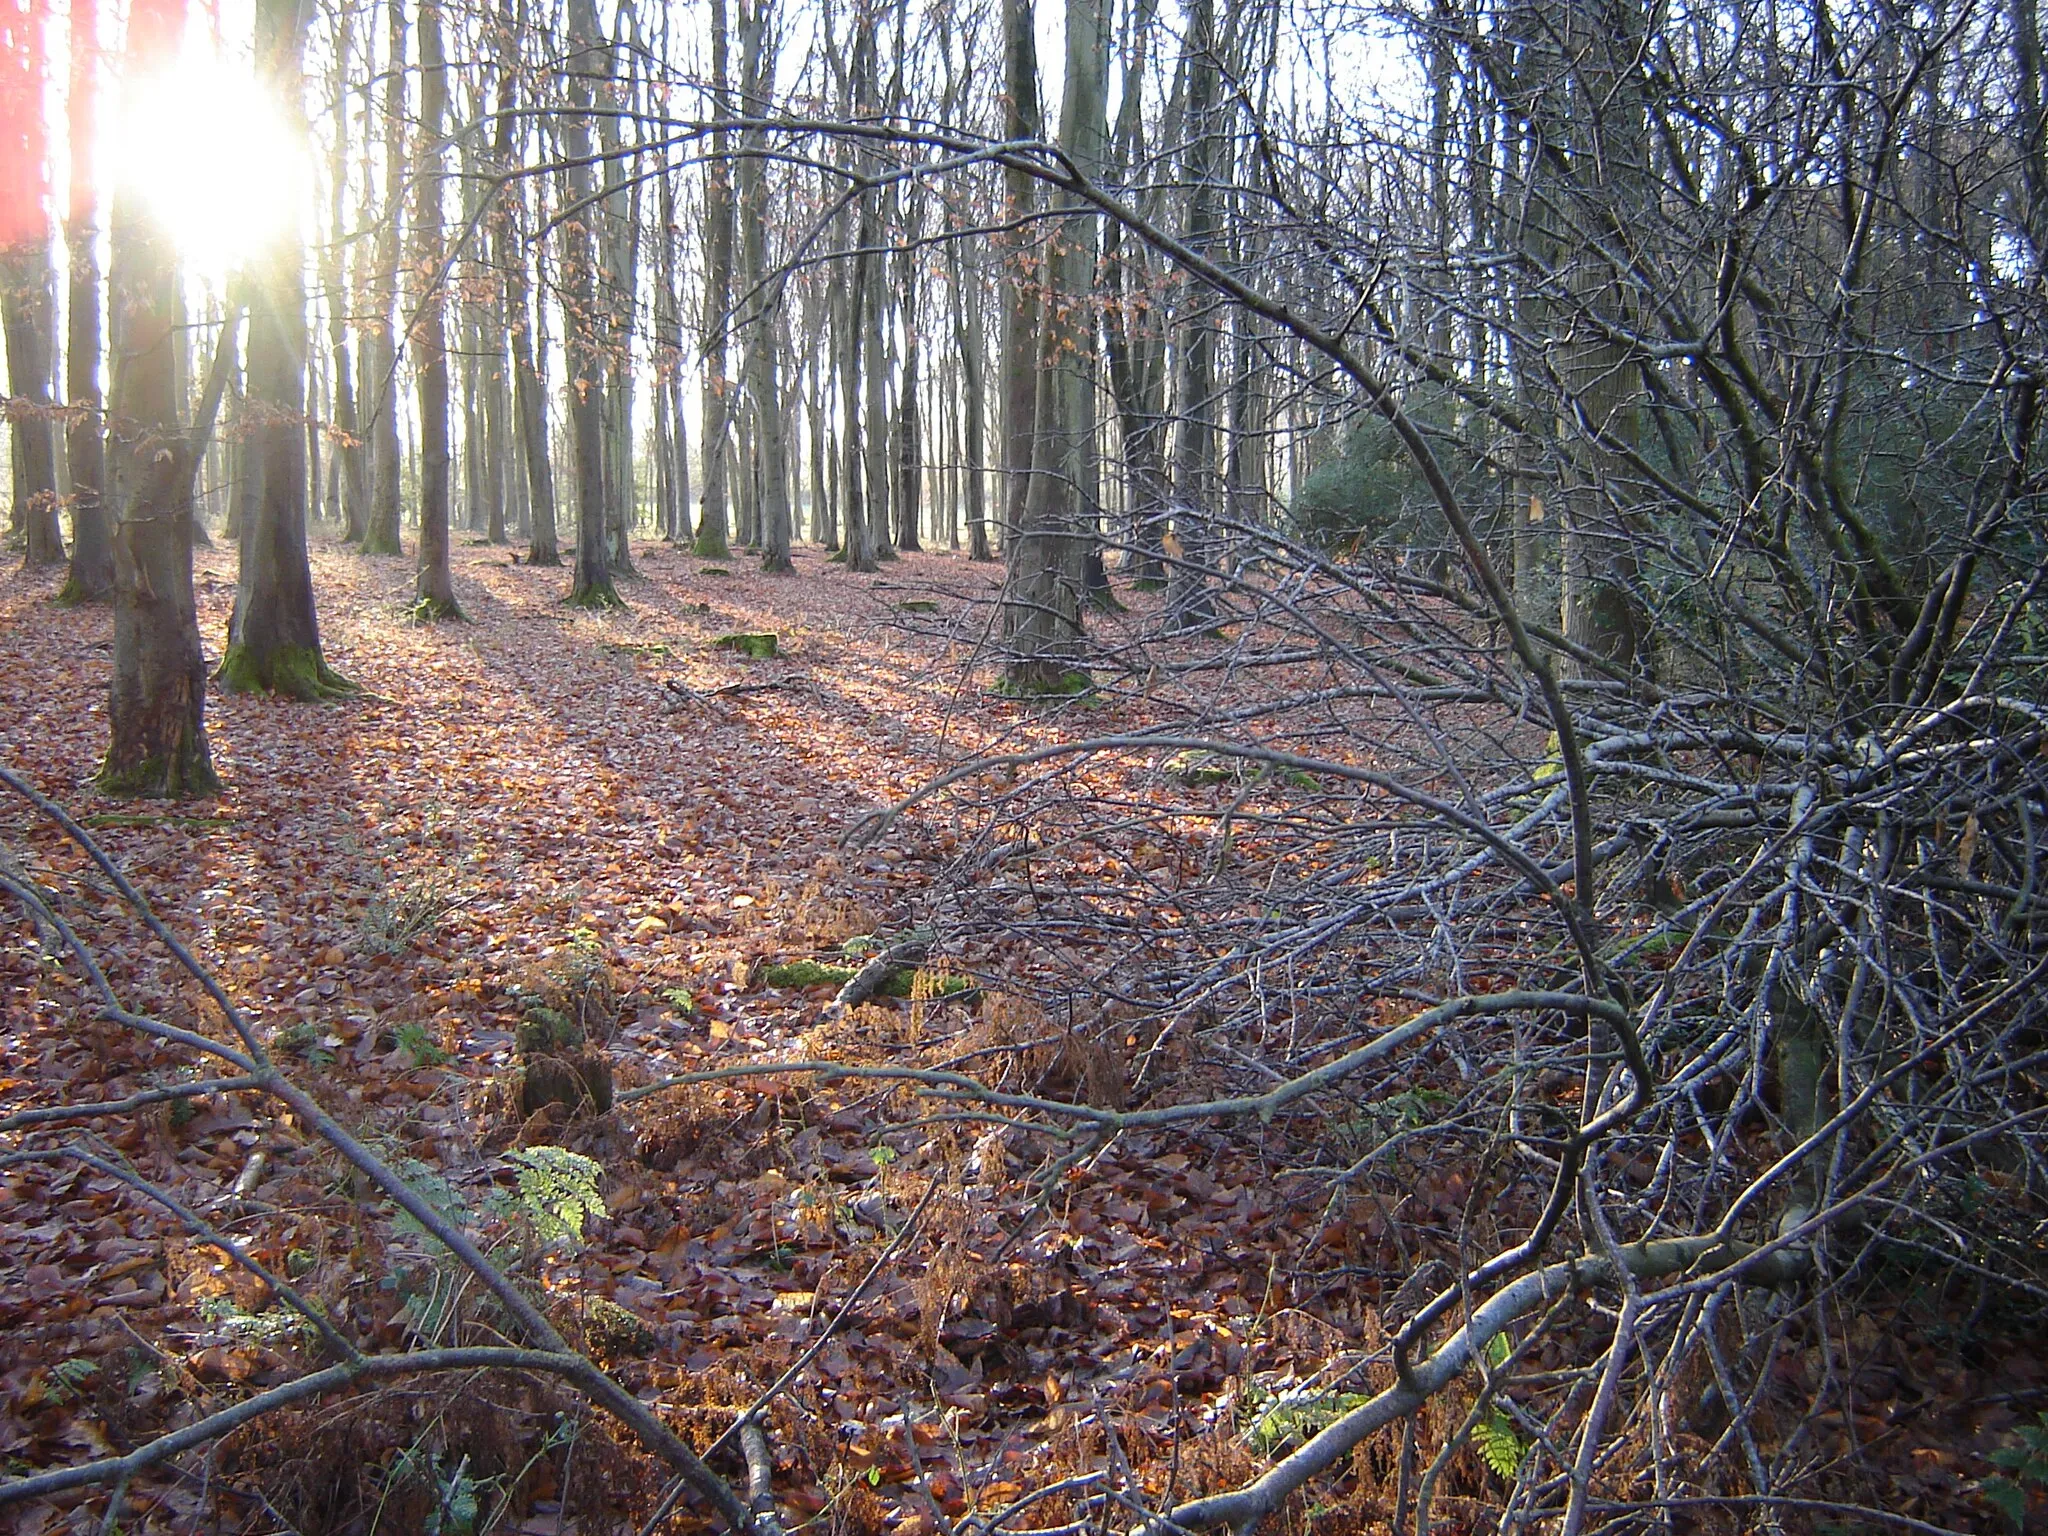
(386, 885)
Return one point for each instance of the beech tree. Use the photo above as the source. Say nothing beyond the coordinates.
(156, 709)
(28, 308)
(91, 578)
(274, 636)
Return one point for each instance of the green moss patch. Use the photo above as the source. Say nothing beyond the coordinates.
(918, 605)
(1034, 683)
(288, 671)
(759, 646)
(901, 983)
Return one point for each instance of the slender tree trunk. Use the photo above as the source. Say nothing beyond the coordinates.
(714, 516)
(434, 586)
(380, 385)
(764, 382)
(909, 448)
(591, 586)
(92, 552)
(348, 467)
(27, 304)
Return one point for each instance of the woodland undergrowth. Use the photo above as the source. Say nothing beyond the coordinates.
(541, 865)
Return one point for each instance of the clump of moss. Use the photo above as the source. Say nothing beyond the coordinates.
(806, 973)
(609, 1330)
(918, 605)
(759, 646)
(902, 981)
(714, 570)
(1035, 683)
(292, 671)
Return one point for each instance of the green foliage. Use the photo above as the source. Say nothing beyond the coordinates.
(426, 1182)
(1372, 495)
(402, 914)
(806, 973)
(2028, 1464)
(418, 1042)
(1287, 1418)
(458, 1497)
(1068, 684)
(543, 1029)
(1499, 1446)
(761, 647)
(557, 1191)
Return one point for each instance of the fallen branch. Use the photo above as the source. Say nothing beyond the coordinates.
(260, 1074)
(1244, 1508)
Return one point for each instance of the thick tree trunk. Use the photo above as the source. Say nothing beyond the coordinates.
(1190, 605)
(1042, 597)
(274, 636)
(156, 701)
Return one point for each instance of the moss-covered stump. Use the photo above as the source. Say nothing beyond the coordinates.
(566, 1002)
(760, 647)
(918, 605)
(577, 1083)
(288, 671)
(714, 570)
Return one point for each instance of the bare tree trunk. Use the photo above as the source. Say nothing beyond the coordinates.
(434, 587)
(156, 702)
(348, 467)
(274, 636)
(714, 517)
(28, 307)
(91, 578)
(591, 586)
(1042, 598)
(380, 382)
(771, 450)
(529, 389)
(1024, 281)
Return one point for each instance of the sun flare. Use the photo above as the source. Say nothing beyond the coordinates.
(214, 158)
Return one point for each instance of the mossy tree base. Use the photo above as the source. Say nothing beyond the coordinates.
(550, 557)
(289, 671)
(1044, 680)
(75, 594)
(375, 544)
(186, 774)
(436, 610)
(712, 549)
(600, 596)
